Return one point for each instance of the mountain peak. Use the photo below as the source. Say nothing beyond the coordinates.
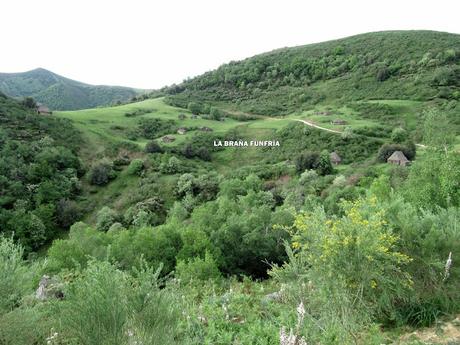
(61, 93)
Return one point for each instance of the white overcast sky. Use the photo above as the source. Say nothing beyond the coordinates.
(149, 44)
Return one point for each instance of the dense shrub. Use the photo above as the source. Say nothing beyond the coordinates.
(194, 108)
(399, 135)
(153, 147)
(105, 218)
(67, 212)
(101, 173)
(350, 268)
(152, 128)
(197, 269)
(135, 167)
(306, 161)
(172, 166)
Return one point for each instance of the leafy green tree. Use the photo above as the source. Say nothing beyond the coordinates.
(67, 212)
(29, 102)
(324, 164)
(194, 108)
(216, 114)
(399, 135)
(383, 73)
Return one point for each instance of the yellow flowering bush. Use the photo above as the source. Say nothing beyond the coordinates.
(356, 253)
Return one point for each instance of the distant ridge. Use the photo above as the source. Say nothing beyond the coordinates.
(60, 93)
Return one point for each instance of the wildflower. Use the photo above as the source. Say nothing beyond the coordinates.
(301, 311)
(50, 339)
(447, 267)
(293, 338)
(290, 339)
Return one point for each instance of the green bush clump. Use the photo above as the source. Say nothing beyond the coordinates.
(101, 173)
(153, 147)
(197, 269)
(152, 128)
(105, 218)
(135, 167)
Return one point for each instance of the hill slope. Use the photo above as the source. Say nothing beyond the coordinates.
(416, 65)
(61, 93)
(38, 167)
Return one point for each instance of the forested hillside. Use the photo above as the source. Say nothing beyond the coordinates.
(39, 171)
(60, 93)
(413, 65)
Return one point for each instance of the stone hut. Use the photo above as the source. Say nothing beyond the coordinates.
(206, 129)
(339, 122)
(43, 110)
(335, 158)
(168, 139)
(398, 158)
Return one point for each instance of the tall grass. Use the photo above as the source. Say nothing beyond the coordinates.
(14, 275)
(106, 306)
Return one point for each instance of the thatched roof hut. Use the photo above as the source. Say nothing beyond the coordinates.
(43, 110)
(335, 158)
(398, 158)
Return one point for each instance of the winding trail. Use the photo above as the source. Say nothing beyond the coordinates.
(308, 123)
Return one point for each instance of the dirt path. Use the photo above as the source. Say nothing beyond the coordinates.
(308, 123)
(319, 127)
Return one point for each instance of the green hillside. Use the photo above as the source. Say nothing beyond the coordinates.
(412, 65)
(151, 233)
(39, 171)
(60, 93)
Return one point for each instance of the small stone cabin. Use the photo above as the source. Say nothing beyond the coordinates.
(339, 122)
(206, 129)
(43, 110)
(182, 130)
(398, 158)
(335, 158)
(168, 139)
